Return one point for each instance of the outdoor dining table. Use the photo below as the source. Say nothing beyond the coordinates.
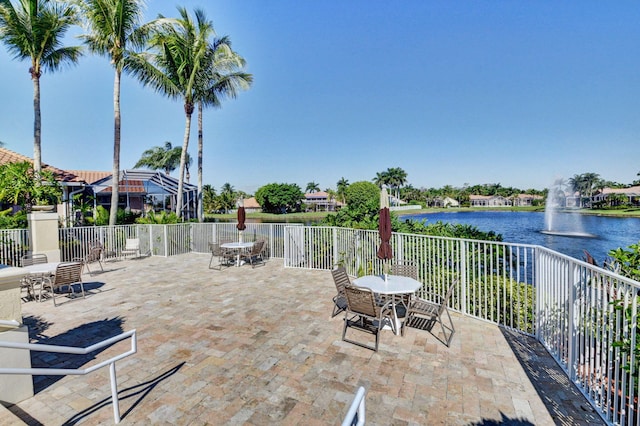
(237, 247)
(37, 272)
(392, 285)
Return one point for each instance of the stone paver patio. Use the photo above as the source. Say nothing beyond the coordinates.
(247, 346)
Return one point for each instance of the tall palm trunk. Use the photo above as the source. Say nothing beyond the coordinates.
(115, 177)
(37, 123)
(200, 148)
(188, 109)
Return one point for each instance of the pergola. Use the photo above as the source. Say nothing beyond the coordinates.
(141, 187)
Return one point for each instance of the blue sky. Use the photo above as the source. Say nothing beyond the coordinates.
(509, 92)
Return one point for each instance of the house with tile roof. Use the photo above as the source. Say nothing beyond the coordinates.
(139, 190)
(631, 193)
(489, 201)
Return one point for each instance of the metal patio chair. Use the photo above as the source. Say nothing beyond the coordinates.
(364, 314)
(131, 247)
(224, 257)
(425, 313)
(67, 274)
(341, 279)
(94, 255)
(254, 256)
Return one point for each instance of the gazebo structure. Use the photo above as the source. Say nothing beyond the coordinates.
(146, 190)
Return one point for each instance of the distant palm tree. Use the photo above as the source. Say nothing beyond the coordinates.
(341, 189)
(218, 78)
(313, 187)
(35, 31)
(166, 158)
(181, 48)
(114, 31)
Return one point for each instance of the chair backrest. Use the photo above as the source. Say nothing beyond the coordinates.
(215, 249)
(405, 269)
(341, 279)
(447, 296)
(95, 253)
(361, 301)
(132, 244)
(68, 273)
(34, 259)
(257, 247)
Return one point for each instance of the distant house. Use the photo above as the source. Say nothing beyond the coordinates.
(251, 205)
(489, 201)
(71, 183)
(320, 201)
(526, 199)
(632, 194)
(449, 202)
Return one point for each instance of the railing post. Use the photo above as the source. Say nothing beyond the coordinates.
(336, 255)
(463, 277)
(165, 231)
(114, 393)
(573, 327)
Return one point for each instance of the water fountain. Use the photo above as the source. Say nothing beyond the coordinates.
(561, 224)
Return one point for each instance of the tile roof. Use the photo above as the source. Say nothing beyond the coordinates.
(251, 203)
(90, 176)
(7, 156)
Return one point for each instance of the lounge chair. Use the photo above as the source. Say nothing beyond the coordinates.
(363, 314)
(131, 247)
(425, 313)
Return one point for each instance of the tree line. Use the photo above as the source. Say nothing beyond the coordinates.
(180, 58)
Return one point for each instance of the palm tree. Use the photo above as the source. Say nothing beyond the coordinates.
(114, 31)
(313, 187)
(219, 78)
(227, 197)
(35, 31)
(181, 48)
(341, 189)
(166, 158)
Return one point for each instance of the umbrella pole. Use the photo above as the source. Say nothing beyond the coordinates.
(240, 236)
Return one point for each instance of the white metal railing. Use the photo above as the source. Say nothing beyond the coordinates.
(13, 244)
(356, 414)
(567, 304)
(111, 362)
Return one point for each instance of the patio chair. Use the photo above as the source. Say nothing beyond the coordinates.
(131, 247)
(406, 270)
(67, 274)
(341, 279)
(363, 314)
(424, 314)
(29, 282)
(225, 257)
(254, 256)
(94, 255)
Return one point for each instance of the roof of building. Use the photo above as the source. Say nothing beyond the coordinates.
(251, 203)
(7, 156)
(90, 176)
(316, 195)
(629, 191)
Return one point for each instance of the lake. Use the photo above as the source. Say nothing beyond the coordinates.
(524, 227)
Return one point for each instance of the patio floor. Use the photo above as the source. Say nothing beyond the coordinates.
(258, 347)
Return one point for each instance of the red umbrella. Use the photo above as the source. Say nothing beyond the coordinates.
(241, 217)
(384, 228)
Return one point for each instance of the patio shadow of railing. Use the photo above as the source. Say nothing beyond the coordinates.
(82, 336)
(551, 383)
(504, 420)
(141, 390)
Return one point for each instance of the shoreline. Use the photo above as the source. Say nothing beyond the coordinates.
(627, 213)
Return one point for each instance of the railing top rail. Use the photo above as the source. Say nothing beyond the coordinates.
(67, 349)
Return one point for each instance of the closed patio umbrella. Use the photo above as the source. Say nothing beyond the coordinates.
(384, 229)
(241, 218)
